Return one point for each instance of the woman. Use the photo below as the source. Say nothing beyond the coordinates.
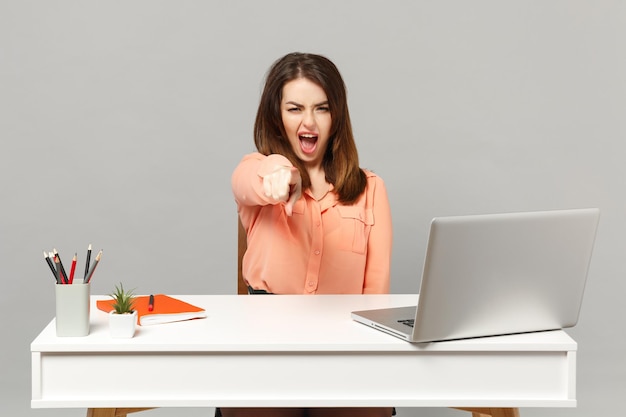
(316, 222)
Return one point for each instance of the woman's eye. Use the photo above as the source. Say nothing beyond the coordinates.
(323, 109)
(293, 109)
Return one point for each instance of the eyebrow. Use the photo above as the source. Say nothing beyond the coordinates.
(293, 103)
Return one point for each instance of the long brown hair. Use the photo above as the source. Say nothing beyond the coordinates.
(341, 160)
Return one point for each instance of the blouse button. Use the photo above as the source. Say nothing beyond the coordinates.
(317, 252)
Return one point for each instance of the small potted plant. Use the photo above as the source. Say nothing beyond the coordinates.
(123, 318)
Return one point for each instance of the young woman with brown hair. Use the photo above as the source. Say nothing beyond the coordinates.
(316, 222)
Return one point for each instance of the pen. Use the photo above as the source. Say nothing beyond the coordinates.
(88, 259)
(72, 269)
(50, 264)
(93, 267)
(151, 303)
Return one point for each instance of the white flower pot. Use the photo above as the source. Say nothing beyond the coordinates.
(122, 325)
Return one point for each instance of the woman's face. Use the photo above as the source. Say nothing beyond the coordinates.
(306, 119)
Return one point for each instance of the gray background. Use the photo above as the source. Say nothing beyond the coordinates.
(121, 122)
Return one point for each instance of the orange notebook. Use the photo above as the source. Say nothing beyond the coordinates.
(166, 309)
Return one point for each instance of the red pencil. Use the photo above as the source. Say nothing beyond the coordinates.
(73, 268)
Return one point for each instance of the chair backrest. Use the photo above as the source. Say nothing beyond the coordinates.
(242, 245)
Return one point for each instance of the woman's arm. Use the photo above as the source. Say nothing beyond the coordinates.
(247, 180)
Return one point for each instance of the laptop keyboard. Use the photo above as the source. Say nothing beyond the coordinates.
(408, 322)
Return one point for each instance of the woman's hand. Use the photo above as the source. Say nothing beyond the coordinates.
(283, 184)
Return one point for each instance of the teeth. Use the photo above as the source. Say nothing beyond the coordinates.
(308, 136)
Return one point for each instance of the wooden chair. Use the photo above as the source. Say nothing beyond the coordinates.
(113, 412)
(242, 245)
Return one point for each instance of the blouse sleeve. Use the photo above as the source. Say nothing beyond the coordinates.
(247, 179)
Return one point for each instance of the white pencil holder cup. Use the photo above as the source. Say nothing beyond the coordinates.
(72, 309)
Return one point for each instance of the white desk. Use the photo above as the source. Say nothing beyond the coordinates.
(296, 351)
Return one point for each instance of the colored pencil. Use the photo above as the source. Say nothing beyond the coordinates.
(58, 268)
(73, 268)
(63, 273)
(50, 264)
(93, 267)
(88, 259)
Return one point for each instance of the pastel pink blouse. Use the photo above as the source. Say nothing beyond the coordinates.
(325, 247)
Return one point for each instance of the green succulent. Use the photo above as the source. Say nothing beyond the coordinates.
(124, 300)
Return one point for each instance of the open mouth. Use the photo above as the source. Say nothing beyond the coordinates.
(308, 142)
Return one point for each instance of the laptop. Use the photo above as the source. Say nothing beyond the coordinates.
(496, 274)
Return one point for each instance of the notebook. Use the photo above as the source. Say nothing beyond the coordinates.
(165, 309)
(496, 274)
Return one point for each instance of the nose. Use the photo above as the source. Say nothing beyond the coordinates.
(308, 120)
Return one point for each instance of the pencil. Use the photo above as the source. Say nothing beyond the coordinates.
(87, 262)
(63, 273)
(50, 264)
(72, 269)
(58, 267)
(53, 258)
(93, 267)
